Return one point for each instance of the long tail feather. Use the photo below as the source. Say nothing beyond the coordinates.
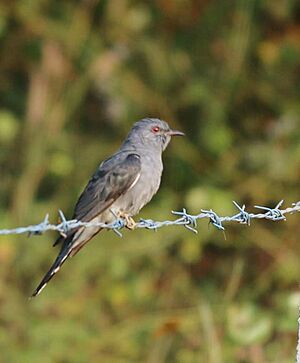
(61, 258)
(71, 245)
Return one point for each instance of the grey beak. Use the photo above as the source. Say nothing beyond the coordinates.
(175, 133)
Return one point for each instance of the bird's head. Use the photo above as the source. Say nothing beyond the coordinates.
(153, 132)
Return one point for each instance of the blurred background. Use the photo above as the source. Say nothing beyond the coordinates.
(74, 76)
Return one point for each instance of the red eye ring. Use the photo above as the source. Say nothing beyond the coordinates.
(155, 129)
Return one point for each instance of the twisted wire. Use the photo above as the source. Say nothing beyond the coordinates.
(184, 219)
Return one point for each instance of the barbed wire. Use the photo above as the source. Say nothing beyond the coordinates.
(185, 219)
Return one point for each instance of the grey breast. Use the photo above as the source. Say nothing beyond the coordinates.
(146, 186)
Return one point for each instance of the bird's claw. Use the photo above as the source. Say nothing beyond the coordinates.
(130, 223)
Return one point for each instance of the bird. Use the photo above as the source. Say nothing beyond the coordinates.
(120, 187)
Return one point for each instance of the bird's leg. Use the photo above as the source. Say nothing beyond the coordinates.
(130, 222)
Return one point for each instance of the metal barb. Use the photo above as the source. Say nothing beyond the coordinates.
(189, 221)
(118, 224)
(215, 220)
(64, 224)
(275, 214)
(243, 217)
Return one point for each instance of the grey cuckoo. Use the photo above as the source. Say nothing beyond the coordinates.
(121, 186)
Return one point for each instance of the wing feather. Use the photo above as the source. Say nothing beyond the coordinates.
(112, 179)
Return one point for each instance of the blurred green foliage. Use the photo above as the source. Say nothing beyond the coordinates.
(74, 77)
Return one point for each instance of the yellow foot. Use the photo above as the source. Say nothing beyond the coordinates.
(130, 222)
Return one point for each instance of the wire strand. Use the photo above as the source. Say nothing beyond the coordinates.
(184, 219)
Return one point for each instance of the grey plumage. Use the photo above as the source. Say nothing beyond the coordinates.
(121, 185)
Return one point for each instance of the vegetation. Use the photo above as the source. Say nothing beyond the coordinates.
(74, 77)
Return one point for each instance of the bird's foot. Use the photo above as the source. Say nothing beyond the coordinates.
(130, 223)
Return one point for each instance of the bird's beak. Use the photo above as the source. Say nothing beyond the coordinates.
(175, 133)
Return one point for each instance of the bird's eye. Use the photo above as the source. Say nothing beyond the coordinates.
(155, 129)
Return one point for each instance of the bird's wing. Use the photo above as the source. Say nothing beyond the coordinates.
(112, 179)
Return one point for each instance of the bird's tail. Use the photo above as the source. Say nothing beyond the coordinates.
(61, 258)
(72, 244)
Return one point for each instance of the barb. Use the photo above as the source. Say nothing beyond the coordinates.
(184, 219)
